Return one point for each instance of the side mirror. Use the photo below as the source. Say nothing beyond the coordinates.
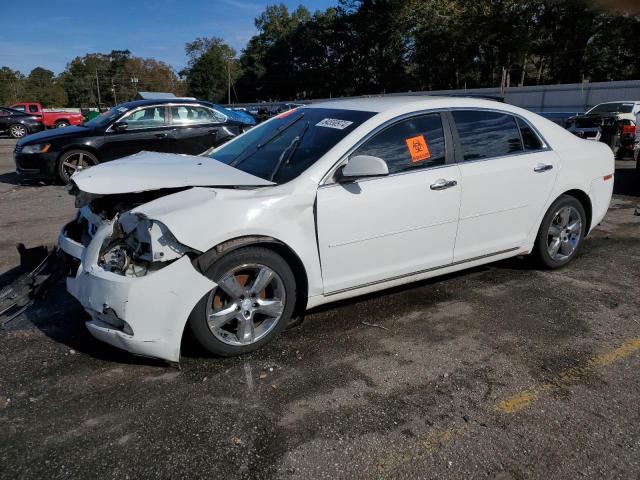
(120, 126)
(362, 166)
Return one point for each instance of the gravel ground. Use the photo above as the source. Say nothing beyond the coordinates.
(498, 372)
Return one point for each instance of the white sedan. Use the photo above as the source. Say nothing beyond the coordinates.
(322, 203)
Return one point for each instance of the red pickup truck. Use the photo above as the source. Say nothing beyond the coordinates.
(50, 119)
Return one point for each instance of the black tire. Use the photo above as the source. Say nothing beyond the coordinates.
(68, 159)
(17, 130)
(62, 124)
(233, 260)
(541, 248)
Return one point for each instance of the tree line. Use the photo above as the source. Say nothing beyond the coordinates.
(368, 47)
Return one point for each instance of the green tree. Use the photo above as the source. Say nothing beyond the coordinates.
(11, 86)
(208, 70)
(41, 86)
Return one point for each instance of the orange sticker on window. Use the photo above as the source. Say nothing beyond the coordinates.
(418, 148)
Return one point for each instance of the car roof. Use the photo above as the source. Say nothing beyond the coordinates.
(159, 101)
(394, 102)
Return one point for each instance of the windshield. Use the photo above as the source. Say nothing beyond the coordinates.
(107, 117)
(612, 108)
(281, 149)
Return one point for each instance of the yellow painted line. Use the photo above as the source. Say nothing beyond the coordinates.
(430, 442)
(527, 397)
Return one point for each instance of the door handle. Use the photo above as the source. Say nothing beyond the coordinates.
(161, 135)
(213, 130)
(442, 184)
(541, 167)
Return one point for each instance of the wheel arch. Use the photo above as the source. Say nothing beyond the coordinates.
(202, 261)
(585, 200)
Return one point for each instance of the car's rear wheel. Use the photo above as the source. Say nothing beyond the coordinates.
(72, 161)
(17, 130)
(561, 233)
(252, 303)
(62, 124)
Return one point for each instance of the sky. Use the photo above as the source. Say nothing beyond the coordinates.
(50, 33)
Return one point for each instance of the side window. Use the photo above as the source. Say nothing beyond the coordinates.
(187, 114)
(411, 144)
(146, 118)
(33, 108)
(529, 136)
(487, 134)
(20, 108)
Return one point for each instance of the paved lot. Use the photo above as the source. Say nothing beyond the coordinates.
(498, 372)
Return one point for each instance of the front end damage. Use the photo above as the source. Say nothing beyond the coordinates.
(134, 279)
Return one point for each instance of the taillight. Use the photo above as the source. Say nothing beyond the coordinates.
(629, 130)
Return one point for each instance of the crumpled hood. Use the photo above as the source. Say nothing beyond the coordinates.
(147, 171)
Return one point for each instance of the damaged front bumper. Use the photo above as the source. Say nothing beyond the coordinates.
(144, 315)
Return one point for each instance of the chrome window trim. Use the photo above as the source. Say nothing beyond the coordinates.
(215, 114)
(327, 178)
(171, 104)
(131, 112)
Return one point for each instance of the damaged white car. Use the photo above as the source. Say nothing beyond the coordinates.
(322, 203)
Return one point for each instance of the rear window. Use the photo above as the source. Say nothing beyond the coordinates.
(611, 108)
(487, 134)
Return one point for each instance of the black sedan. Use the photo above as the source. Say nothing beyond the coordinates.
(19, 124)
(170, 126)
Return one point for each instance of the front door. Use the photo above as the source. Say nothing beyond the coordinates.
(378, 229)
(147, 130)
(507, 176)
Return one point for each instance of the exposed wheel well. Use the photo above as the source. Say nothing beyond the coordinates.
(584, 199)
(62, 120)
(302, 283)
(86, 148)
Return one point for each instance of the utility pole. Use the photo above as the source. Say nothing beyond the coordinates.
(229, 80)
(98, 85)
(134, 82)
(113, 89)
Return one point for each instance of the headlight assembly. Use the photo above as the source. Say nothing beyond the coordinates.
(37, 148)
(139, 245)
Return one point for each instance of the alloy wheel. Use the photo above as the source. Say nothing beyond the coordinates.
(246, 305)
(18, 131)
(75, 162)
(564, 233)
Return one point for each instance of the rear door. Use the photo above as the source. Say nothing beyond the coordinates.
(378, 229)
(507, 175)
(195, 128)
(147, 130)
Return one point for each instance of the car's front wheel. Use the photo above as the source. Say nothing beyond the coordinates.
(252, 303)
(561, 233)
(72, 161)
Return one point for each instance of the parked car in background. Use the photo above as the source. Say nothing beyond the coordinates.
(50, 118)
(18, 124)
(169, 126)
(235, 114)
(320, 204)
(613, 123)
(559, 118)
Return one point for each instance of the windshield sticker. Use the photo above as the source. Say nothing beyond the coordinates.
(418, 148)
(334, 123)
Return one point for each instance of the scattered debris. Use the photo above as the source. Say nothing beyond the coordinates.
(375, 325)
(44, 268)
